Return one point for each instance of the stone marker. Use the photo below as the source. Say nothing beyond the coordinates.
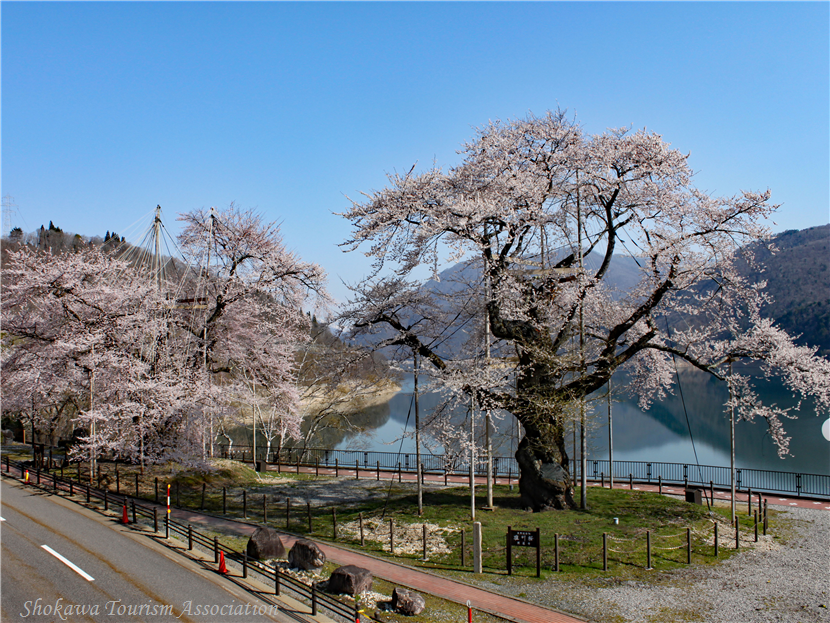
(407, 602)
(350, 580)
(265, 543)
(306, 555)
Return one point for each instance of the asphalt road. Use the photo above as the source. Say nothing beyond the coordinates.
(108, 572)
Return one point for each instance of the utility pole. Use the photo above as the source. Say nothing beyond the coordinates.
(610, 440)
(583, 450)
(472, 457)
(92, 421)
(731, 444)
(418, 440)
(488, 422)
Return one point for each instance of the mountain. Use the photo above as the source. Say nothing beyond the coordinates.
(798, 279)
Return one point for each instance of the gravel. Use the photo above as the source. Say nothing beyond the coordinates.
(785, 580)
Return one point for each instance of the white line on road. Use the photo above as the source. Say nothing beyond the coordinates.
(2, 519)
(69, 564)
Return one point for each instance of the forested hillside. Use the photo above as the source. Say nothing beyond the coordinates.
(798, 279)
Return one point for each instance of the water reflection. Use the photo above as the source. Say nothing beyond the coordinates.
(658, 434)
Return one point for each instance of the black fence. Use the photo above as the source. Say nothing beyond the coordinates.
(809, 485)
(282, 582)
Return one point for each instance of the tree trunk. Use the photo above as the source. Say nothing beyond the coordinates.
(544, 479)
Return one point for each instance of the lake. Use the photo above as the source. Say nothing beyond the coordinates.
(659, 434)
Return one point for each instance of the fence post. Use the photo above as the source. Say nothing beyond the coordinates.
(765, 517)
(215, 550)
(334, 522)
(605, 551)
(648, 550)
(37, 471)
(157, 490)
(660, 483)
(298, 464)
(224, 501)
(135, 517)
(602, 480)
(189, 537)
(313, 600)
(749, 502)
(244, 504)
(244, 563)
(556, 552)
(712, 492)
(631, 482)
(391, 537)
(106, 499)
(756, 526)
(136, 485)
(378, 478)
(688, 546)
(155, 520)
(356, 469)
(360, 519)
(87, 495)
(276, 579)
(308, 508)
(317, 466)
(716, 539)
(737, 534)
(71, 487)
(399, 471)
(477, 545)
(447, 471)
(337, 467)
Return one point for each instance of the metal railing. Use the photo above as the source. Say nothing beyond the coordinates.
(281, 581)
(800, 484)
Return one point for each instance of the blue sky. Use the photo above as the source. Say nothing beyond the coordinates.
(111, 108)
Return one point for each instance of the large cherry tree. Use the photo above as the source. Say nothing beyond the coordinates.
(535, 201)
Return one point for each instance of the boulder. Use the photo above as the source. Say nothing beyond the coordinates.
(265, 543)
(350, 580)
(306, 555)
(407, 602)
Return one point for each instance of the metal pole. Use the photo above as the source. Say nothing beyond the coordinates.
(472, 458)
(420, 487)
(610, 441)
(731, 445)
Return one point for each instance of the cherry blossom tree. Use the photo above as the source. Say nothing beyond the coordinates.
(533, 201)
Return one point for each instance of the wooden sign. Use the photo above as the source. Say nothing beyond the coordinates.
(524, 538)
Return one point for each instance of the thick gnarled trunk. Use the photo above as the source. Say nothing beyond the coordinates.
(544, 478)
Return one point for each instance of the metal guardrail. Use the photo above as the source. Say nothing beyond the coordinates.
(280, 581)
(800, 484)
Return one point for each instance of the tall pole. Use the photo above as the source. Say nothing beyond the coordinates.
(472, 457)
(488, 422)
(92, 422)
(418, 441)
(610, 440)
(583, 450)
(731, 444)
(205, 328)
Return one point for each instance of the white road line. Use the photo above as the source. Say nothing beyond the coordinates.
(69, 564)
(2, 519)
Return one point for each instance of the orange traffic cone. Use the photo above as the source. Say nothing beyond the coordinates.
(124, 518)
(222, 567)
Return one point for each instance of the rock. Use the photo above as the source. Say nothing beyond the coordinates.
(306, 555)
(351, 580)
(265, 543)
(407, 602)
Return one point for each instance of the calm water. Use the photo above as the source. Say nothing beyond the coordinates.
(658, 434)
